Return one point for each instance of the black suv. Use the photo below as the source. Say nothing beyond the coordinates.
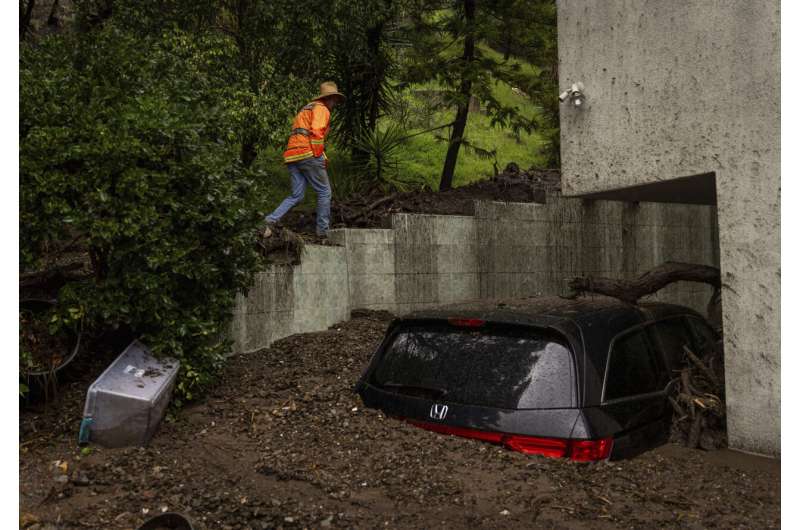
(586, 379)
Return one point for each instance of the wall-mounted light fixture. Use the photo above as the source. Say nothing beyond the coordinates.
(575, 94)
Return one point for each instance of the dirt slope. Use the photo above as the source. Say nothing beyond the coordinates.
(374, 210)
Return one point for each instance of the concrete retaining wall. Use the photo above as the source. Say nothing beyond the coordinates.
(423, 261)
(436, 260)
(288, 299)
(370, 255)
(506, 250)
(530, 249)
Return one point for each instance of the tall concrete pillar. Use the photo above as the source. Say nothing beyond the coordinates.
(681, 89)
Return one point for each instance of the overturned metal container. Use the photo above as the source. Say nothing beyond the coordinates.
(125, 405)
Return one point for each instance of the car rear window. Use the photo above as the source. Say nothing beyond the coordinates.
(496, 366)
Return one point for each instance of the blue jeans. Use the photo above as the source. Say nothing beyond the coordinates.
(309, 171)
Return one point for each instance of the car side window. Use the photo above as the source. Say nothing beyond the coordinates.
(704, 337)
(632, 368)
(673, 335)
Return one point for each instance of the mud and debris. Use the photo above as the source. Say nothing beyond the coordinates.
(375, 209)
(283, 442)
(699, 400)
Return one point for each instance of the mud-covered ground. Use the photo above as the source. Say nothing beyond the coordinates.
(283, 442)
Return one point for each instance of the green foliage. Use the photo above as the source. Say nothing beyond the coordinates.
(381, 148)
(129, 143)
(448, 51)
(361, 54)
(277, 64)
(526, 30)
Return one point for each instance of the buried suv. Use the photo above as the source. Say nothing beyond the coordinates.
(587, 379)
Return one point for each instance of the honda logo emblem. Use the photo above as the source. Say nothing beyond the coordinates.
(438, 412)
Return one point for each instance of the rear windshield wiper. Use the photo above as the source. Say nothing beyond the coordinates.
(414, 389)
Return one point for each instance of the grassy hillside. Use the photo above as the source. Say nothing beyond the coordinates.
(423, 156)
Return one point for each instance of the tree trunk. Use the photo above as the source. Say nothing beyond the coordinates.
(249, 149)
(374, 38)
(25, 19)
(465, 91)
(507, 41)
(52, 20)
(631, 290)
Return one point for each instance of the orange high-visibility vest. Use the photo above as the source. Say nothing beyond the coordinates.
(309, 128)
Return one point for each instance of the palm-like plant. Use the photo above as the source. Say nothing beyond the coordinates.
(380, 147)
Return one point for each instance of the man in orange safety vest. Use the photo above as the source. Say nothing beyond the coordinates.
(305, 158)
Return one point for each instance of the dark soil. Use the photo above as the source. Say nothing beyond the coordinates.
(283, 442)
(374, 210)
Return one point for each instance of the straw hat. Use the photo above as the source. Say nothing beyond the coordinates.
(329, 88)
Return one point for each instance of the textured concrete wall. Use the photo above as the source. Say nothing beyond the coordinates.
(530, 249)
(320, 286)
(289, 299)
(516, 249)
(370, 255)
(436, 260)
(684, 88)
(423, 261)
(267, 312)
(508, 249)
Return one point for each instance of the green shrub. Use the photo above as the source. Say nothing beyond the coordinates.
(126, 143)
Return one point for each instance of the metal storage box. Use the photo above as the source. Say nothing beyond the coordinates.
(125, 405)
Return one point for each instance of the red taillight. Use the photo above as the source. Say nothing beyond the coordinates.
(466, 322)
(590, 450)
(577, 450)
(531, 445)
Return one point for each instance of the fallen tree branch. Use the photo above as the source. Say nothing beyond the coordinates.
(698, 402)
(702, 367)
(369, 208)
(653, 280)
(678, 409)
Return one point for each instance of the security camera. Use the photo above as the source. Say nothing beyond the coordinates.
(575, 94)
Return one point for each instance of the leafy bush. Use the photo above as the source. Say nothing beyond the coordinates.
(127, 144)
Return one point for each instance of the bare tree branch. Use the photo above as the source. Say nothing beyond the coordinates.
(653, 280)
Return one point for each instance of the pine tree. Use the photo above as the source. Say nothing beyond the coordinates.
(449, 47)
(526, 29)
